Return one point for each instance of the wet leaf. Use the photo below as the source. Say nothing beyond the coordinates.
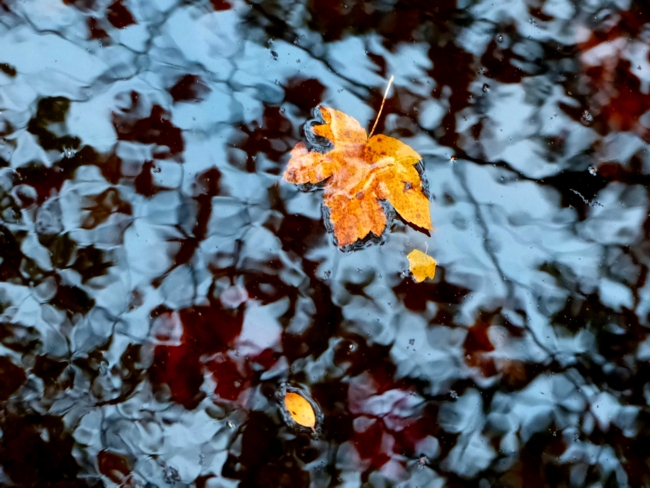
(421, 265)
(300, 410)
(360, 172)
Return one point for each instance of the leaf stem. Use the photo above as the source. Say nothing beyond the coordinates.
(390, 82)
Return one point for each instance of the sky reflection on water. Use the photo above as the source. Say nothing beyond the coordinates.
(159, 282)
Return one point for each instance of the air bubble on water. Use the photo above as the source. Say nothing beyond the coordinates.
(230, 425)
(275, 55)
(586, 118)
(486, 88)
(453, 394)
(171, 475)
(592, 170)
(500, 38)
(68, 152)
(423, 461)
(156, 169)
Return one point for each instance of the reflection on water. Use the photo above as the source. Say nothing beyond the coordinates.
(160, 283)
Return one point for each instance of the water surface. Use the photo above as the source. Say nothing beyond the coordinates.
(160, 283)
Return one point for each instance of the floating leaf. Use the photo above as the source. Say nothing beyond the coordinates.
(300, 410)
(360, 172)
(421, 265)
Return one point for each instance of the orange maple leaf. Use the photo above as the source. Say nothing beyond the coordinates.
(360, 172)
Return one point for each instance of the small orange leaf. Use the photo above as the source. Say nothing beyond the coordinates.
(421, 265)
(300, 410)
(361, 171)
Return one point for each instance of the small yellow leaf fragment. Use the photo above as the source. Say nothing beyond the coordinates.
(300, 410)
(421, 265)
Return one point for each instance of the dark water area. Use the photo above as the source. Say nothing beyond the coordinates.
(161, 285)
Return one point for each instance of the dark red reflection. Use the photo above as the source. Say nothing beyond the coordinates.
(304, 93)
(144, 184)
(180, 369)
(206, 332)
(206, 187)
(96, 31)
(118, 15)
(221, 4)
(477, 343)
(11, 378)
(154, 129)
(100, 207)
(497, 60)
(116, 466)
(231, 378)
(189, 88)
(36, 450)
(271, 138)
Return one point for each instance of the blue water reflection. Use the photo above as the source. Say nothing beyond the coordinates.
(159, 281)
